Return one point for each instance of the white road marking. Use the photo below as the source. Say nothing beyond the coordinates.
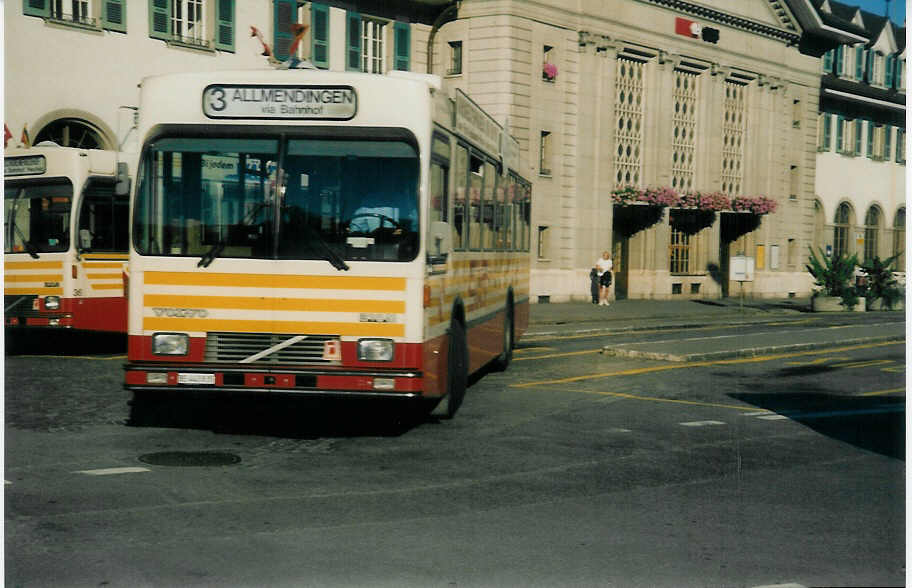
(701, 423)
(113, 471)
(781, 586)
(758, 413)
(774, 417)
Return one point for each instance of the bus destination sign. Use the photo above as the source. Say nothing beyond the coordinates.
(24, 166)
(280, 102)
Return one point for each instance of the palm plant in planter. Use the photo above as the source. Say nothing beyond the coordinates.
(834, 276)
(881, 283)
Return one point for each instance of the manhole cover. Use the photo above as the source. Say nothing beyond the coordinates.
(190, 458)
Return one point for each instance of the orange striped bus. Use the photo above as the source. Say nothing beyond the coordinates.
(65, 239)
(311, 232)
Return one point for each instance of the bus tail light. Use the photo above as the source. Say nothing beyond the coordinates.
(74, 271)
(427, 296)
(375, 350)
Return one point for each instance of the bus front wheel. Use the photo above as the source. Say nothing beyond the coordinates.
(457, 371)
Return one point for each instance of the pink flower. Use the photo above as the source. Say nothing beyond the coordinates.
(549, 70)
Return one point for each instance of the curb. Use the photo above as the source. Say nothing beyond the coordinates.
(531, 332)
(743, 353)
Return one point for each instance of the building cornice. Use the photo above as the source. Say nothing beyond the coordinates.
(788, 35)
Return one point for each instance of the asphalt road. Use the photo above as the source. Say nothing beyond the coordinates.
(572, 468)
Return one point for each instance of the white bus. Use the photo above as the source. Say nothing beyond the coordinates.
(66, 226)
(310, 232)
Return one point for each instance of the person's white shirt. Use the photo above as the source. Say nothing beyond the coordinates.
(603, 265)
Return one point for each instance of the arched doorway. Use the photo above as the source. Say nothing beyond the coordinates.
(71, 132)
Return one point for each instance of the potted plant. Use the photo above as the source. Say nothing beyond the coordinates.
(833, 275)
(883, 292)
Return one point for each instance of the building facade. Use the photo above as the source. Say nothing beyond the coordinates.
(677, 135)
(860, 183)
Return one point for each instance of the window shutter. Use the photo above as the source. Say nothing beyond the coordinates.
(319, 35)
(870, 139)
(888, 71)
(827, 131)
(858, 136)
(888, 131)
(840, 60)
(114, 15)
(160, 19)
(353, 41)
(869, 66)
(828, 62)
(900, 146)
(402, 43)
(224, 25)
(859, 63)
(284, 13)
(36, 8)
(840, 124)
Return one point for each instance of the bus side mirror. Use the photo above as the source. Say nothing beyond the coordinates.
(438, 246)
(122, 187)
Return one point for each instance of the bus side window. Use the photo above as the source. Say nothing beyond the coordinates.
(460, 178)
(102, 218)
(489, 215)
(476, 184)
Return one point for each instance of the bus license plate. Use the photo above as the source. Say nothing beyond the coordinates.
(195, 378)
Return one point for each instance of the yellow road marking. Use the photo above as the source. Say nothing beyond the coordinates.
(566, 354)
(817, 361)
(678, 366)
(861, 364)
(899, 369)
(673, 401)
(881, 392)
(530, 349)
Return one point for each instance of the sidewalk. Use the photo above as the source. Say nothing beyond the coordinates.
(650, 314)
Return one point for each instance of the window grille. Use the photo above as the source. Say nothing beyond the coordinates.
(872, 231)
(371, 45)
(629, 107)
(841, 230)
(684, 121)
(733, 137)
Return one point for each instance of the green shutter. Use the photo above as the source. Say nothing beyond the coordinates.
(900, 143)
(402, 42)
(858, 131)
(827, 131)
(828, 61)
(869, 66)
(160, 19)
(114, 15)
(224, 25)
(353, 41)
(888, 131)
(284, 12)
(889, 65)
(870, 139)
(840, 124)
(859, 62)
(840, 60)
(36, 8)
(319, 35)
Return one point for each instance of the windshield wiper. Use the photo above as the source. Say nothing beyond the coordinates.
(210, 255)
(29, 246)
(329, 254)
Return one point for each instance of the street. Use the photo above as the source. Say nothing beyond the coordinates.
(589, 462)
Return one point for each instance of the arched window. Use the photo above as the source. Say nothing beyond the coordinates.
(841, 230)
(899, 239)
(71, 132)
(871, 233)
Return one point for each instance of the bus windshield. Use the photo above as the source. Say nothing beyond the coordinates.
(37, 216)
(321, 198)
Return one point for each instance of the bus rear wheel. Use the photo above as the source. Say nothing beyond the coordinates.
(509, 341)
(457, 371)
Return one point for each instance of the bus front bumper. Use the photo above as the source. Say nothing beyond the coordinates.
(273, 380)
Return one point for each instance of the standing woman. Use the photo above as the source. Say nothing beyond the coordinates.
(603, 266)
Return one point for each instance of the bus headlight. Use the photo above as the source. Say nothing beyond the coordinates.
(375, 350)
(52, 302)
(170, 344)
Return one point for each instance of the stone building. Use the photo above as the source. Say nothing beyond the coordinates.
(717, 97)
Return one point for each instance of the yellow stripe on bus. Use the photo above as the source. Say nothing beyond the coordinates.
(124, 256)
(104, 265)
(104, 276)
(262, 303)
(36, 291)
(107, 286)
(274, 281)
(33, 264)
(34, 277)
(151, 323)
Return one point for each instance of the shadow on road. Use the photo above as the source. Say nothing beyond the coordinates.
(64, 342)
(873, 423)
(277, 416)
